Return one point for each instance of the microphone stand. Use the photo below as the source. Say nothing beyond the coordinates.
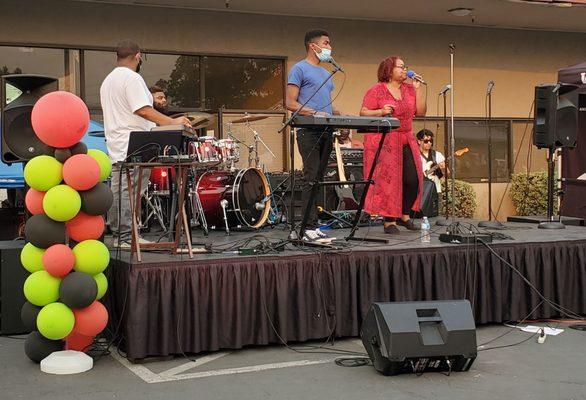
(490, 223)
(445, 221)
(293, 235)
(453, 225)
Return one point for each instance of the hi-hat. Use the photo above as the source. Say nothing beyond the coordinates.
(249, 118)
(198, 119)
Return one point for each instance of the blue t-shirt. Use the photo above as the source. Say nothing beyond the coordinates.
(308, 77)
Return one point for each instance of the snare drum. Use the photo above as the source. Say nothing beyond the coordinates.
(208, 149)
(228, 150)
(244, 193)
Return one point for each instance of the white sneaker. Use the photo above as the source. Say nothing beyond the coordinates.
(144, 241)
(321, 233)
(122, 244)
(310, 235)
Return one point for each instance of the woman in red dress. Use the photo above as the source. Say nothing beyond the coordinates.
(398, 178)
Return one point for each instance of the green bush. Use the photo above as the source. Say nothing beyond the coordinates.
(465, 206)
(529, 193)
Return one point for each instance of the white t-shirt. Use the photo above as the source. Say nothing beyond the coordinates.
(122, 93)
(439, 158)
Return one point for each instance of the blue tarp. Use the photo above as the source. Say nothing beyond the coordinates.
(11, 175)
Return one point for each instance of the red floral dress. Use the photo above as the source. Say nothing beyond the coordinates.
(385, 196)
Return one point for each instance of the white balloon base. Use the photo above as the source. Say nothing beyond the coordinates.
(67, 362)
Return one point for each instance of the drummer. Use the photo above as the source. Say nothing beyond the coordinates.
(159, 99)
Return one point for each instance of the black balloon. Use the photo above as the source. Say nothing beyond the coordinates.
(43, 232)
(78, 290)
(28, 316)
(79, 148)
(37, 347)
(62, 155)
(97, 200)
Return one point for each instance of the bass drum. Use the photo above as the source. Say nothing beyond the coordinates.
(242, 192)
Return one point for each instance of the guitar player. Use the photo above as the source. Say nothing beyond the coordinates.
(431, 182)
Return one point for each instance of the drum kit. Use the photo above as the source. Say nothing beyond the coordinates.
(221, 196)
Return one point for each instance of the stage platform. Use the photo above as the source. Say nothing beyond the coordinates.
(169, 305)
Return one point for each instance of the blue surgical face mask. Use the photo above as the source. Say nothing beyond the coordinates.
(325, 54)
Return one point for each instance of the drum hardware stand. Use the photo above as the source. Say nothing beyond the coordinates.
(154, 209)
(257, 139)
(224, 204)
(198, 214)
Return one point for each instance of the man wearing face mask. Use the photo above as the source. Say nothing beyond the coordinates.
(304, 79)
(127, 106)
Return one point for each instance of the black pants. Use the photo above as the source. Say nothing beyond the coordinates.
(312, 145)
(410, 182)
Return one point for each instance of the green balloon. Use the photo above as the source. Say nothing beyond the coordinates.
(41, 288)
(43, 172)
(91, 257)
(31, 258)
(61, 203)
(102, 282)
(103, 161)
(55, 321)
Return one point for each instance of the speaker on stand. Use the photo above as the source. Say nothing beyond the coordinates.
(555, 126)
(19, 142)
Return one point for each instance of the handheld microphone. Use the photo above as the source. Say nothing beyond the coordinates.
(335, 64)
(411, 74)
(490, 87)
(446, 89)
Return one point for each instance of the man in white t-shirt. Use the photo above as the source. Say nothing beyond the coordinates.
(127, 106)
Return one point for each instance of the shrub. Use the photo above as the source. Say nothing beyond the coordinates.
(529, 193)
(465, 205)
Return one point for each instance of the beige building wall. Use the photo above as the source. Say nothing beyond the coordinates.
(516, 60)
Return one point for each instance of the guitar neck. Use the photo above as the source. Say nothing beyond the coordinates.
(339, 161)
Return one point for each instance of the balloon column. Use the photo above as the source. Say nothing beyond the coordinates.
(67, 198)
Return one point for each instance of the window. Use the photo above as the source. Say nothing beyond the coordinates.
(56, 63)
(97, 65)
(473, 133)
(243, 83)
(179, 76)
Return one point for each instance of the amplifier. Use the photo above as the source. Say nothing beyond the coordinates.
(12, 277)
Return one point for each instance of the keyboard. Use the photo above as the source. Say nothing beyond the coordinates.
(362, 124)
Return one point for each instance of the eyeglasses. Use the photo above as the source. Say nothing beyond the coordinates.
(426, 141)
(401, 66)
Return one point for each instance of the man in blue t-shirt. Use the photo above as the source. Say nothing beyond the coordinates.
(304, 79)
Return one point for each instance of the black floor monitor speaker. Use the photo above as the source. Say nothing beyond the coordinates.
(420, 336)
(19, 142)
(556, 116)
(12, 277)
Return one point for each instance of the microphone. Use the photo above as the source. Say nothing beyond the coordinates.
(446, 89)
(411, 74)
(335, 64)
(490, 87)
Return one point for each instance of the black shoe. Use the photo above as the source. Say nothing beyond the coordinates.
(392, 229)
(409, 224)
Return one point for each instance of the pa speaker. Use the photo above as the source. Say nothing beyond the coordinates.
(19, 142)
(420, 336)
(12, 277)
(556, 116)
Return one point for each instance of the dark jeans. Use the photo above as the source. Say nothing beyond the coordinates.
(410, 182)
(312, 145)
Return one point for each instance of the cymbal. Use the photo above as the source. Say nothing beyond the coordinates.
(249, 118)
(198, 119)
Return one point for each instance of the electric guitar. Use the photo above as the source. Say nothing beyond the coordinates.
(344, 192)
(431, 167)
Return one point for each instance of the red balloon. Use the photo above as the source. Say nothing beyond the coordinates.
(60, 119)
(91, 320)
(85, 227)
(78, 342)
(34, 201)
(81, 172)
(58, 260)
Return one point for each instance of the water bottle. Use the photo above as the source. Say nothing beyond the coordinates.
(425, 236)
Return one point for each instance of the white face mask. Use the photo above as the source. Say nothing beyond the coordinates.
(325, 54)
